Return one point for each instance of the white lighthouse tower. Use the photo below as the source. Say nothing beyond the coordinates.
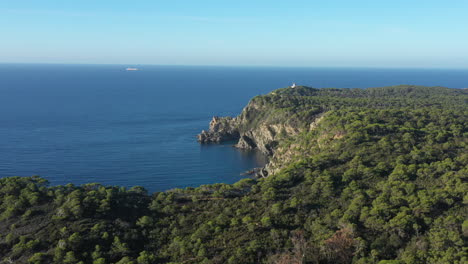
(293, 85)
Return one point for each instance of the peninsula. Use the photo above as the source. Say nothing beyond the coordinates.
(374, 175)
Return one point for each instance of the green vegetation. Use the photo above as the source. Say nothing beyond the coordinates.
(382, 178)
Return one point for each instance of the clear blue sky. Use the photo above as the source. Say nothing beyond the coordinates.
(410, 33)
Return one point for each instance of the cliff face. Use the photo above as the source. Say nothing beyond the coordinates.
(265, 137)
(286, 153)
(260, 126)
(221, 129)
(251, 129)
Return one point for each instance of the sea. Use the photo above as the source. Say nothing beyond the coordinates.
(101, 123)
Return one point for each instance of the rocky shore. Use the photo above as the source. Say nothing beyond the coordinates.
(221, 129)
(256, 128)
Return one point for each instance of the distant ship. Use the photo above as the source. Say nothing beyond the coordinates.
(132, 69)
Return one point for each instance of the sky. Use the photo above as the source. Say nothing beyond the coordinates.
(333, 33)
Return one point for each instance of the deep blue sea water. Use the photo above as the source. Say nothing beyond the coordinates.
(99, 123)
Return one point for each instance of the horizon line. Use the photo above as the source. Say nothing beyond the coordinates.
(236, 65)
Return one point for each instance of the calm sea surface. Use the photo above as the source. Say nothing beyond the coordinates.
(87, 123)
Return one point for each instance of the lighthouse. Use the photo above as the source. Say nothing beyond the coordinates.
(293, 85)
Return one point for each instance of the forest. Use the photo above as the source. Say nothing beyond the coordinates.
(382, 178)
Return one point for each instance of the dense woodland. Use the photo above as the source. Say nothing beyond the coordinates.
(382, 178)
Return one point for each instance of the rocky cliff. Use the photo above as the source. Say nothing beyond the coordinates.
(260, 126)
(251, 130)
(221, 129)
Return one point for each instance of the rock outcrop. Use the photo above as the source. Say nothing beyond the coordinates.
(221, 129)
(252, 129)
(260, 126)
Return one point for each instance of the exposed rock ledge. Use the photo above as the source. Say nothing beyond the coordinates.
(257, 127)
(221, 129)
(263, 136)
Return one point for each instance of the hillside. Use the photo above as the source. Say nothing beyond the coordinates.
(355, 176)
